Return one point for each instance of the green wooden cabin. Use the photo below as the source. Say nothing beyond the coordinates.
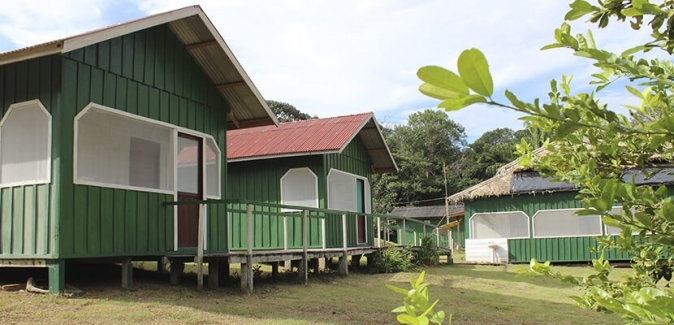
(99, 130)
(321, 163)
(438, 222)
(519, 215)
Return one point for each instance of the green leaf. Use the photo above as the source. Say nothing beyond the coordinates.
(513, 100)
(474, 70)
(438, 92)
(457, 104)
(396, 289)
(579, 8)
(631, 12)
(633, 50)
(443, 78)
(552, 46)
(634, 92)
(407, 319)
(566, 128)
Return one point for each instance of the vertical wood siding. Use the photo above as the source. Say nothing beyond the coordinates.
(355, 160)
(150, 74)
(260, 181)
(28, 226)
(566, 249)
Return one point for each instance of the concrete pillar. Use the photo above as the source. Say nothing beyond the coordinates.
(57, 276)
(288, 265)
(370, 259)
(303, 271)
(247, 277)
(176, 271)
(315, 265)
(161, 265)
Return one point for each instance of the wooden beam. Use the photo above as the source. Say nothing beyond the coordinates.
(231, 84)
(234, 120)
(193, 46)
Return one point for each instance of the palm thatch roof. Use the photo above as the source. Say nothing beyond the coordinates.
(498, 185)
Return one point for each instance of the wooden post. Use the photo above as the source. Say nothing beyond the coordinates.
(343, 263)
(304, 268)
(161, 265)
(323, 232)
(223, 270)
(285, 233)
(274, 270)
(247, 268)
(57, 276)
(378, 232)
(200, 249)
(404, 234)
(213, 273)
(127, 274)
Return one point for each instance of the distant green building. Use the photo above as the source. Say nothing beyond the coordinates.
(518, 215)
(321, 163)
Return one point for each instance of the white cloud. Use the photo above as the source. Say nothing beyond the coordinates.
(333, 58)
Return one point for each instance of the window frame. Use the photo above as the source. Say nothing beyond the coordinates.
(315, 187)
(472, 229)
(174, 148)
(10, 110)
(533, 224)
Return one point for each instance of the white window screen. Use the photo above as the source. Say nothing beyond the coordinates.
(342, 191)
(610, 230)
(122, 151)
(25, 142)
(499, 225)
(299, 186)
(188, 170)
(563, 223)
(212, 169)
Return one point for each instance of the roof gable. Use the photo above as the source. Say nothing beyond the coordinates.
(203, 42)
(310, 137)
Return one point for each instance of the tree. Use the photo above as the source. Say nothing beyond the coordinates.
(287, 113)
(594, 147)
(486, 155)
(420, 148)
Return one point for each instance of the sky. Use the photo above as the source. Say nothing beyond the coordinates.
(332, 58)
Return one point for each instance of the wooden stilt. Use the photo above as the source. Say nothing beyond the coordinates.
(223, 270)
(127, 274)
(57, 276)
(274, 270)
(343, 265)
(213, 274)
(176, 272)
(161, 265)
(247, 276)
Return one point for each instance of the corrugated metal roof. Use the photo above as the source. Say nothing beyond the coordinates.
(316, 136)
(204, 43)
(428, 211)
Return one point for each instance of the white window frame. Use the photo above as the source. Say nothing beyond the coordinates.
(533, 222)
(176, 129)
(367, 205)
(20, 105)
(472, 229)
(293, 170)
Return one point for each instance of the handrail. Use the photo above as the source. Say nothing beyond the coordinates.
(292, 207)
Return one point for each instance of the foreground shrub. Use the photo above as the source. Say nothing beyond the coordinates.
(417, 308)
(393, 260)
(428, 254)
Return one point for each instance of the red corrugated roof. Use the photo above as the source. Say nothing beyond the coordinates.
(293, 138)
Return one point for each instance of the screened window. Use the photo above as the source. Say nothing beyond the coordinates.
(299, 186)
(563, 223)
(499, 225)
(342, 191)
(25, 145)
(124, 151)
(212, 169)
(615, 230)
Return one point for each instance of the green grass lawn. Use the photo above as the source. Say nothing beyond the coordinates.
(475, 294)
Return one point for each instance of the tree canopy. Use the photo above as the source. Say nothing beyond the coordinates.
(286, 112)
(594, 147)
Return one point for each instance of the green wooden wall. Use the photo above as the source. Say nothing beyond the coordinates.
(28, 225)
(353, 159)
(567, 249)
(150, 74)
(260, 181)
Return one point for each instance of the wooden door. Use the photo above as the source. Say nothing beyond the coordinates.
(360, 205)
(190, 188)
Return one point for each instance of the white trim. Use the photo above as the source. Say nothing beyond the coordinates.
(315, 184)
(533, 223)
(218, 158)
(470, 222)
(28, 104)
(175, 188)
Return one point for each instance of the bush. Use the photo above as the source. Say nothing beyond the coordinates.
(392, 260)
(428, 253)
